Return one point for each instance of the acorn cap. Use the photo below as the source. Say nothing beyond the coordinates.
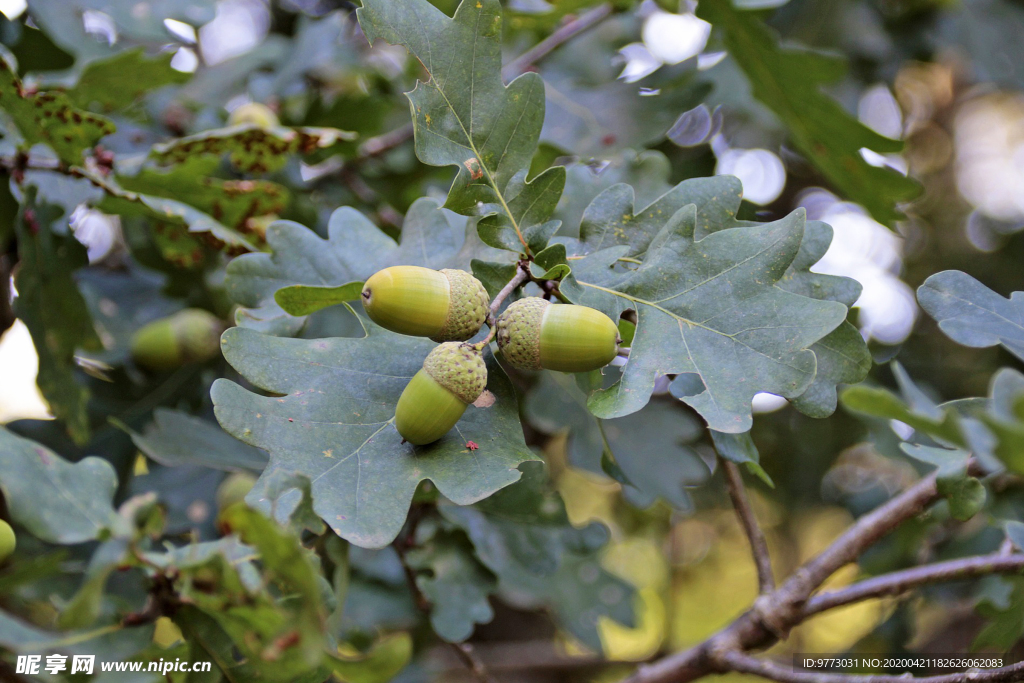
(519, 330)
(467, 308)
(459, 368)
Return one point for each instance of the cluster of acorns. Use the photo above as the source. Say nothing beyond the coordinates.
(450, 307)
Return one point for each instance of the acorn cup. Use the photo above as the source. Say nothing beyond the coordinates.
(7, 540)
(453, 376)
(189, 336)
(445, 305)
(253, 113)
(534, 334)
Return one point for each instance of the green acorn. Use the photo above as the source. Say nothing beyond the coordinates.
(534, 334)
(445, 305)
(189, 336)
(7, 540)
(253, 113)
(234, 489)
(453, 376)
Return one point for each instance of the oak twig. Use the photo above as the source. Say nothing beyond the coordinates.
(773, 615)
(758, 543)
(563, 34)
(896, 583)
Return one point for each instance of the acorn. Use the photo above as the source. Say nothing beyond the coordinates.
(452, 377)
(445, 305)
(534, 334)
(7, 540)
(189, 336)
(253, 113)
(234, 489)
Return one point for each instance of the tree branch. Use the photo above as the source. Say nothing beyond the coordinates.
(521, 276)
(898, 582)
(744, 663)
(563, 34)
(773, 615)
(758, 544)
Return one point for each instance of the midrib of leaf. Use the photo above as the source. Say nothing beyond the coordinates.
(681, 319)
(479, 158)
(347, 457)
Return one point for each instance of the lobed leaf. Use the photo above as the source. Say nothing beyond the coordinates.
(332, 421)
(972, 314)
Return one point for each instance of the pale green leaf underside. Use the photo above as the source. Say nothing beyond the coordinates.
(972, 314)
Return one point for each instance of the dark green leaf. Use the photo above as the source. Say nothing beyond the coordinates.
(789, 80)
(456, 585)
(53, 309)
(465, 116)
(175, 438)
(333, 422)
(116, 82)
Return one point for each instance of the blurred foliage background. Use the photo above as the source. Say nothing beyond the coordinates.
(651, 95)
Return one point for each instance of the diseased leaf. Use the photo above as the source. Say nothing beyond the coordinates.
(53, 309)
(252, 149)
(788, 80)
(354, 250)
(464, 115)
(119, 81)
(175, 438)
(333, 422)
(50, 118)
(57, 501)
(972, 314)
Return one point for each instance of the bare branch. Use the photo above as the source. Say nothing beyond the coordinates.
(899, 582)
(744, 663)
(563, 34)
(758, 544)
(773, 615)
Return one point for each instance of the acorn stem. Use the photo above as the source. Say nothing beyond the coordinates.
(521, 276)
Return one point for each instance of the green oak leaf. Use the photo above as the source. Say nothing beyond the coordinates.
(972, 314)
(465, 116)
(1005, 616)
(740, 449)
(523, 535)
(788, 81)
(611, 219)
(175, 438)
(252, 149)
(332, 421)
(709, 308)
(1005, 419)
(50, 118)
(454, 582)
(57, 501)
(53, 309)
(354, 249)
(117, 82)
